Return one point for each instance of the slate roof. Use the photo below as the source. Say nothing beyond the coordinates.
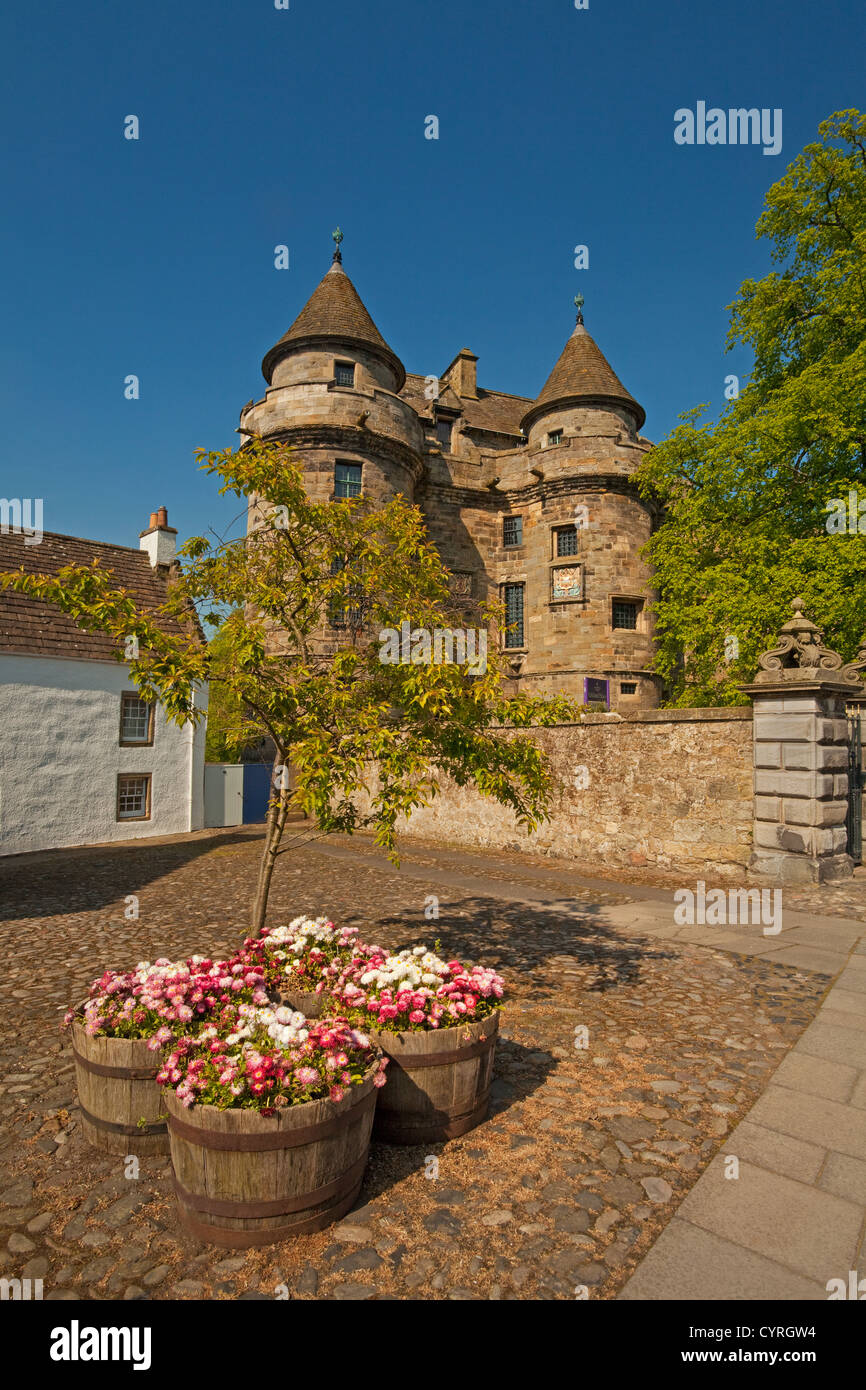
(334, 310)
(32, 628)
(493, 410)
(583, 372)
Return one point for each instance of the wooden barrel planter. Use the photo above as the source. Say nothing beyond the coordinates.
(306, 1002)
(438, 1084)
(122, 1110)
(244, 1179)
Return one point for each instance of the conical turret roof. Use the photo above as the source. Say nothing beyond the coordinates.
(333, 310)
(582, 373)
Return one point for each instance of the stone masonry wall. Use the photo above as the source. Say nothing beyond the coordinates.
(666, 788)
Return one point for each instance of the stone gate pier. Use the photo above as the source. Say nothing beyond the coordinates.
(800, 727)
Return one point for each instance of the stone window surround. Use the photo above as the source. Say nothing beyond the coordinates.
(147, 778)
(555, 527)
(640, 602)
(146, 742)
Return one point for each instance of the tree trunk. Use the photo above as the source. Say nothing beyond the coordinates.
(278, 811)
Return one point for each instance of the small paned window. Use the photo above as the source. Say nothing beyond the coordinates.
(133, 797)
(555, 437)
(512, 530)
(566, 541)
(136, 718)
(628, 688)
(347, 480)
(625, 613)
(344, 373)
(514, 615)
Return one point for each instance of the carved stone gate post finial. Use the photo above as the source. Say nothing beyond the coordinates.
(800, 654)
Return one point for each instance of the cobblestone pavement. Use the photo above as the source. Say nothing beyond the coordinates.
(587, 1153)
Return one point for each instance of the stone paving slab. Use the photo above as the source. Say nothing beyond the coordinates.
(846, 1177)
(690, 1264)
(816, 1076)
(779, 1153)
(794, 1223)
(834, 1043)
(808, 958)
(826, 1122)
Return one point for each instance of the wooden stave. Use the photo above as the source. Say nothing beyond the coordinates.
(243, 1232)
(306, 1002)
(419, 1105)
(110, 1105)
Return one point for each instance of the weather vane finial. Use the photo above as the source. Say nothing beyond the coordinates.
(338, 237)
(579, 301)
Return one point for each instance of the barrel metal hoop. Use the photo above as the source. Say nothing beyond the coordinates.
(121, 1073)
(261, 1143)
(443, 1059)
(282, 1206)
(112, 1127)
(234, 1238)
(435, 1129)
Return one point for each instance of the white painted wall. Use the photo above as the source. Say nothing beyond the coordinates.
(60, 756)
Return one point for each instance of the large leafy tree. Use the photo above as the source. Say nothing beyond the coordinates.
(225, 711)
(749, 497)
(308, 592)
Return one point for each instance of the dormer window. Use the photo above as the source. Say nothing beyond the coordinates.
(344, 374)
(443, 431)
(555, 437)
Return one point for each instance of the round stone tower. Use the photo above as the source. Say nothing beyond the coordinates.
(333, 385)
(584, 523)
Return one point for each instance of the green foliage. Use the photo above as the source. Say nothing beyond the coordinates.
(747, 497)
(332, 707)
(226, 737)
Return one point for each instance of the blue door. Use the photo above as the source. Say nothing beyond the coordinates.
(257, 790)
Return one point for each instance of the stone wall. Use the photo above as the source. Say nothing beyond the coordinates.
(666, 788)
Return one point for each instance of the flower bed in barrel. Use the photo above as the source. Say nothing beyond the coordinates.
(437, 1021)
(295, 960)
(128, 1017)
(268, 1113)
(270, 1116)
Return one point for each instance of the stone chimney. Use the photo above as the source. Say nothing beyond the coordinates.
(159, 539)
(462, 374)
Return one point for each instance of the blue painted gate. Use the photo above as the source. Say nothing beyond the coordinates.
(257, 790)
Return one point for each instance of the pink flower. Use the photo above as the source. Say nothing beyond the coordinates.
(416, 1016)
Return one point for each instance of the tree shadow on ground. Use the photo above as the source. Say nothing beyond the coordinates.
(390, 1164)
(89, 877)
(523, 937)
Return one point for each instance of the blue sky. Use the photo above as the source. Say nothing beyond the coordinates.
(261, 126)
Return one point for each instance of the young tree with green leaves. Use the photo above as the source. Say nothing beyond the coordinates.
(753, 500)
(308, 592)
